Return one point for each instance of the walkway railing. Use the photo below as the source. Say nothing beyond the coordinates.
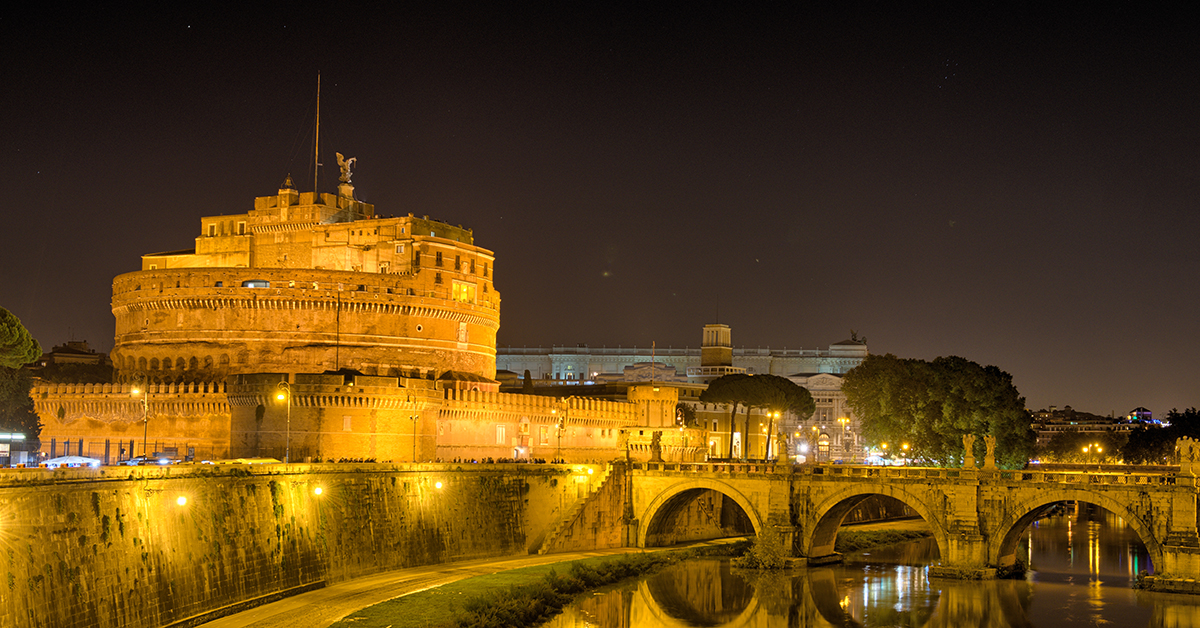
(866, 472)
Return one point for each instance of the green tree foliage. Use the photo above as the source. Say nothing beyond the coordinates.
(768, 392)
(1151, 444)
(686, 415)
(16, 407)
(728, 389)
(1069, 447)
(931, 405)
(767, 552)
(17, 347)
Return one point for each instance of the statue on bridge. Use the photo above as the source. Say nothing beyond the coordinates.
(656, 447)
(989, 458)
(968, 451)
(781, 447)
(1188, 450)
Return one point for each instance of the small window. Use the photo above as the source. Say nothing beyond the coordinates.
(500, 435)
(256, 283)
(458, 262)
(346, 423)
(485, 269)
(241, 229)
(437, 278)
(220, 284)
(437, 259)
(154, 267)
(399, 248)
(212, 229)
(472, 267)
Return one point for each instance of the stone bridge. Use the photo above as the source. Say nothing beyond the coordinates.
(977, 515)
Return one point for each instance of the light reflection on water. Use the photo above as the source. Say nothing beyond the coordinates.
(1083, 567)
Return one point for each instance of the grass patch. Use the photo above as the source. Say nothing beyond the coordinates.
(854, 540)
(515, 597)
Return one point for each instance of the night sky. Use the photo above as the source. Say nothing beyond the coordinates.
(1011, 185)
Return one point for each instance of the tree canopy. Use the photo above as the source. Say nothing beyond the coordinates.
(1151, 444)
(931, 405)
(16, 406)
(17, 347)
(769, 392)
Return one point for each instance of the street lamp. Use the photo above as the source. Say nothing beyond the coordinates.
(413, 418)
(285, 394)
(145, 394)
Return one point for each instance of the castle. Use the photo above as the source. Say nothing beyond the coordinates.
(306, 283)
(312, 328)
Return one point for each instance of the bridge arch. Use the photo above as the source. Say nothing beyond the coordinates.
(664, 502)
(821, 532)
(1002, 546)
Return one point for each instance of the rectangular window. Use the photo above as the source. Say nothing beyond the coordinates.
(458, 262)
(154, 267)
(437, 259)
(464, 292)
(346, 423)
(525, 429)
(499, 434)
(212, 229)
(544, 435)
(241, 228)
(437, 278)
(485, 269)
(399, 248)
(472, 267)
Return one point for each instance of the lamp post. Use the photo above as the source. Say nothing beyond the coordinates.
(285, 394)
(413, 418)
(145, 395)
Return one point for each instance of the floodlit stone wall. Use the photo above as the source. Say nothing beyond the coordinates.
(107, 417)
(117, 548)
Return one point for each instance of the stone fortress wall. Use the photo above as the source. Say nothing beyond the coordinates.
(117, 548)
(99, 419)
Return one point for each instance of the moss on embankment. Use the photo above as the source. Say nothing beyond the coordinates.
(518, 597)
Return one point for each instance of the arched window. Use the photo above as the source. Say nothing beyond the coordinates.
(193, 364)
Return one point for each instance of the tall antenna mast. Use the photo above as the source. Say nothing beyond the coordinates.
(317, 139)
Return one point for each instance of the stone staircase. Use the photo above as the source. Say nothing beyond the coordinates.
(572, 514)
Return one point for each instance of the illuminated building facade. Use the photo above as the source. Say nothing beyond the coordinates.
(308, 282)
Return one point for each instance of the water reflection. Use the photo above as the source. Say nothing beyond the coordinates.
(1083, 567)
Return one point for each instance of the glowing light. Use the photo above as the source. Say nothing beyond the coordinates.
(437, 485)
(281, 397)
(317, 491)
(591, 471)
(181, 500)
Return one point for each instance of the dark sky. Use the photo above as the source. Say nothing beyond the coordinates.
(1017, 186)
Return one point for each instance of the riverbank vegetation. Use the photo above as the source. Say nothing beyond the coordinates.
(518, 597)
(855, 540)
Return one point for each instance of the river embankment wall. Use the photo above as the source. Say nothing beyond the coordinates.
(144, 547)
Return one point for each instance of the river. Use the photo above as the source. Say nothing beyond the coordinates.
(1082, 569)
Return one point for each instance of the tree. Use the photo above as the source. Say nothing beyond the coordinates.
(931, 405)
(17, 347)
(769, 392)
(1149, 444)
(685, 415)
(17, 414)
(728, 389)
(1083, 447)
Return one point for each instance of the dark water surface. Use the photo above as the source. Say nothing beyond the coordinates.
(1082, 570)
